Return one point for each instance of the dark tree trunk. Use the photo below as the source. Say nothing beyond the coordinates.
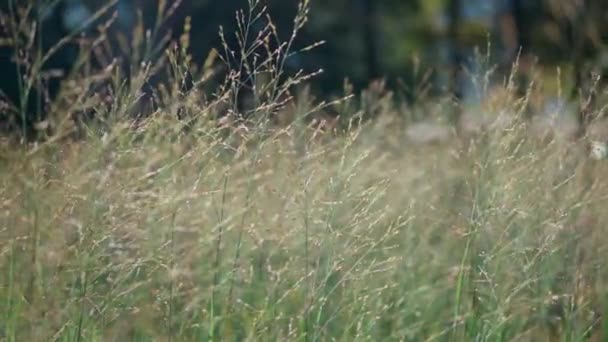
(454, 15)
(520, 23)
(369, 9)
(516, 44)
(455, 19)
(578, 39)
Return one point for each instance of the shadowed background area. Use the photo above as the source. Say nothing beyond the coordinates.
(422, 48)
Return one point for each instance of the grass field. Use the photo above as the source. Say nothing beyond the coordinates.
(143, 234)
(166, 229)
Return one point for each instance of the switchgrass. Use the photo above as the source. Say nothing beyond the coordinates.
(165, 228)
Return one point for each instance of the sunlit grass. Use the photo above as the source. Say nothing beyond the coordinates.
(134, 236)
(200, 223)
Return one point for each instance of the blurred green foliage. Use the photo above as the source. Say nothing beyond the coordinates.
(397, 39)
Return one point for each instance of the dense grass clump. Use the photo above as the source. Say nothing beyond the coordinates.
(138, 235)
(178, 226)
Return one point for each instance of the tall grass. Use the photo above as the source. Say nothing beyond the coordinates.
(167, 228)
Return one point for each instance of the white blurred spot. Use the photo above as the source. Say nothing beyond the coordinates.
(599, 150)
(75, 15)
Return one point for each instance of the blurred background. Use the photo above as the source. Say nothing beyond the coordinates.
(422, 48)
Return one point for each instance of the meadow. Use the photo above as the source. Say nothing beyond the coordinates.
(179, 227)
